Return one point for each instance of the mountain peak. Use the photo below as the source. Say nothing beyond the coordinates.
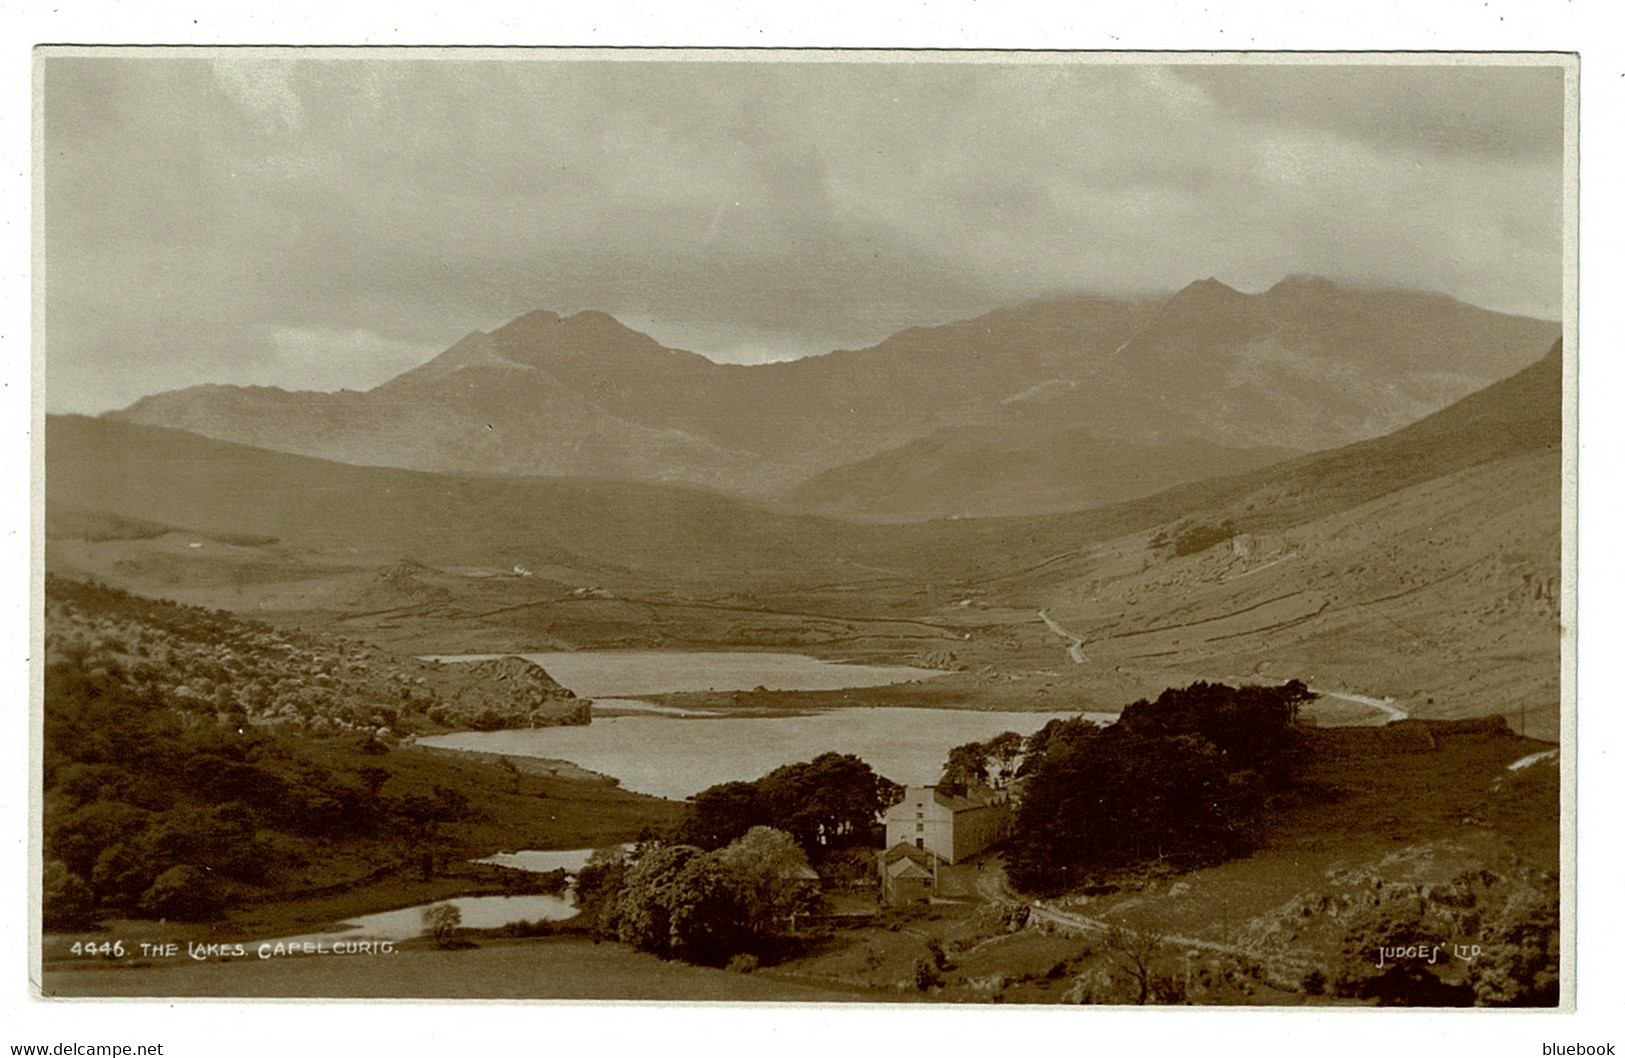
(1210, 285)
(1304, 282)
(1207, 291)
(548, 329)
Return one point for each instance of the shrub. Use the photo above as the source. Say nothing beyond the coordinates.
(184, 893)
(440, 921)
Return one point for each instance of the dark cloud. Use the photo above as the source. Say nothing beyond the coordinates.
(1469, 109)
(319, 219)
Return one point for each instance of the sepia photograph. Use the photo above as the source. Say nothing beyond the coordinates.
(724, 526)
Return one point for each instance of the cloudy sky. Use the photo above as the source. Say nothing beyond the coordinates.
(329, 219)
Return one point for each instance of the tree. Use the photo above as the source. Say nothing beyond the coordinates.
(1135, 952)
(1186, 778)
(1401, 948)
(966, 764)
(66, 900)
(1003, 750)
(828, 802)
(680, 901)
(1394, 951)
(642, 911)
(1520, 964)
(831, 801)
(721, 813)
(770, 872)
(705, 909)
(373, 778)
(598, 886)
(441, 921)
(511, 771)
(186, 893)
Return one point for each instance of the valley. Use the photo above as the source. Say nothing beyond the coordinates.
(1411, 578)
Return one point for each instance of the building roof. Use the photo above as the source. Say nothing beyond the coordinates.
(906, 868)
(903, 850)
(967, 799)
(973, 798)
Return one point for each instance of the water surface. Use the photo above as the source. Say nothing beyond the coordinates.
(479, 912)
(678, 757)
(627, 673)
(541, 861)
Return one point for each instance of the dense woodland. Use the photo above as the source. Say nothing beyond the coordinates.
(155, 812)
(830, 802)
(1184, 779)
(708, 906)
(193, 761)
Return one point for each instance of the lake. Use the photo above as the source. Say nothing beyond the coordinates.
(677, 757)
(541, 861)
(479, 912)
(676, 753)
(627, 673)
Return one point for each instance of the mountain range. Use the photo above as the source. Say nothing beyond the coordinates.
(1422, 564)
(1045, 406)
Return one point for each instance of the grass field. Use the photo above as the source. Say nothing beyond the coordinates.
(560, 969)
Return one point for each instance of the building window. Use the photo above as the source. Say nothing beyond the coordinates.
(919, 827)
(919, 843)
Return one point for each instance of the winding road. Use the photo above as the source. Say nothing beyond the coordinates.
(1074, 647)
(1074, 650)
(994, 887)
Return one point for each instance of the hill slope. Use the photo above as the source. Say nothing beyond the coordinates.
(1306, 365)
(986, 471)
(654, 532)
(1423, 564)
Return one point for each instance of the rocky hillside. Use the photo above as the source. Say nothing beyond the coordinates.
(1423, 566)
(1306, 365)
(211, 664)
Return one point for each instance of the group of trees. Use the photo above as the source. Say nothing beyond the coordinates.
(993, 763)
(730, 879)
(1185, 778)
(151, 811)
(192, 758)
(827, 803)
(703, 906)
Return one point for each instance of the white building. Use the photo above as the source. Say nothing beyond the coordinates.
(953, 823)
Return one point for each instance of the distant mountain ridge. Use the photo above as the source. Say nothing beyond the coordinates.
(1306, 365)
(1424, 564)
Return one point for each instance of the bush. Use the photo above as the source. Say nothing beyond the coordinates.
(743, 964)
(1189, 538)
(67, 902)
(441, 921)
(184, 893)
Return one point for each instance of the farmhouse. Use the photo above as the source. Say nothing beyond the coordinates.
(907, 875)
(951, 822)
